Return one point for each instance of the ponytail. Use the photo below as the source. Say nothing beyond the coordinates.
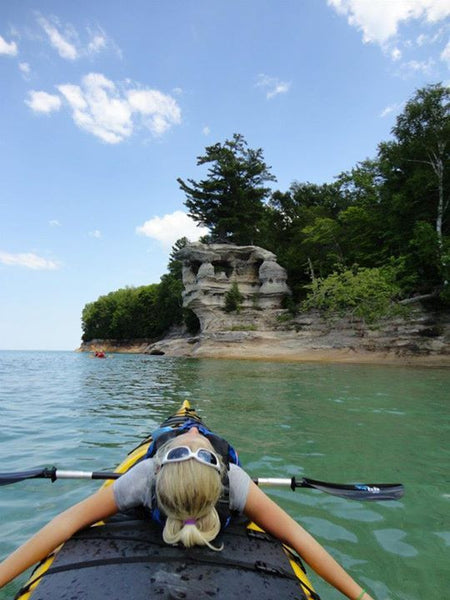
(188, 492)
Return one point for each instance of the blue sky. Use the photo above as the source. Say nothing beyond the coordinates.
(104, 104)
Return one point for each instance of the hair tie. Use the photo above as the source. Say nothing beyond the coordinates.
(190, 522)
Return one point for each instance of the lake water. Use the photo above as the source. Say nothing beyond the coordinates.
(341, 423)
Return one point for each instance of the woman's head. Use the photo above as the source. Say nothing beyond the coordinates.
(187, 492)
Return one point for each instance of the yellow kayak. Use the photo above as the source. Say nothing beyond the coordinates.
(126, 557)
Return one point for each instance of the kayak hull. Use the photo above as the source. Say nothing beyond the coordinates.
(127, 558)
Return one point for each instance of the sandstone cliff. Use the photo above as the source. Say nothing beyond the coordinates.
(209, 272)
(261, 329)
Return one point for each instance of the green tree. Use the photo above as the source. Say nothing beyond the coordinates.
(229, 201)
(415, 166)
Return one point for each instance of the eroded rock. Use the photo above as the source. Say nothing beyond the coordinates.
(209, 272)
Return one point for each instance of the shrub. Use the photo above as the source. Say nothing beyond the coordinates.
(233, 299)
(366, 293)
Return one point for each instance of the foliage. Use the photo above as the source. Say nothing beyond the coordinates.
(230, 200)
(363, 292)
(143, 312)
(233, 299)
(378, 232)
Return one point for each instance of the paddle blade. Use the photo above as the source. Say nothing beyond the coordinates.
(8, 478)
(356, 491)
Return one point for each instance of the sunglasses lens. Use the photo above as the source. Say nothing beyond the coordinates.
(177, 453)
(207, 457)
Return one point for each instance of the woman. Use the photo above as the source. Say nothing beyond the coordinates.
(183, 483)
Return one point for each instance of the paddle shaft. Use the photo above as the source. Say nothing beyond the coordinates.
(359, 491)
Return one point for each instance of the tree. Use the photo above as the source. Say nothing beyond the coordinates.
(230, 199)
(416, 165)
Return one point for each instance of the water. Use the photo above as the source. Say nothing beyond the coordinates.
(330, 422)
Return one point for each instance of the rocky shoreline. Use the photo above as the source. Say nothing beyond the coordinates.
(422, 339)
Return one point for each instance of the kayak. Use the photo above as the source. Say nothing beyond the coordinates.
(125, 557)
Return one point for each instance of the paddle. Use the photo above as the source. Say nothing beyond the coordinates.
(352, 491)
(356, 491)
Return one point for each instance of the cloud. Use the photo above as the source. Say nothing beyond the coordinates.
(170, 228)
(98, 108)
(68, 43)
(157, 110)
(111, 111)
(64, 43)
(272, 86)
(97, 42)
(379, 21)
(54, 223)
(24, 68)
(391, 109)
(41, 102)
(419, 66)
(28, 260)
(445, 55)
(10, 49)
(95, 234)
(206, 130)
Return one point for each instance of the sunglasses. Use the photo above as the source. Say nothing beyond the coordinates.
(202, 455)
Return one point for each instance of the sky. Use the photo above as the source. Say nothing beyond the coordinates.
(105, 104)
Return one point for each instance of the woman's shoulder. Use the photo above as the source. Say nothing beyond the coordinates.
(134, 487)
(239, 482)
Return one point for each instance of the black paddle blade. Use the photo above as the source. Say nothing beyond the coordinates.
(356, 491)
(8, 478)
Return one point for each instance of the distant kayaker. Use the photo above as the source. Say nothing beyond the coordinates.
(184, 482)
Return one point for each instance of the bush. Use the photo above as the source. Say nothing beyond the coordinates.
(366, 293)
(233, 299)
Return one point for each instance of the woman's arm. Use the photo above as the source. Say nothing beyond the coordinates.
(273, 519)
(94, 508)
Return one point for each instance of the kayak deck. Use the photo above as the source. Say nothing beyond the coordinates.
(126, 557)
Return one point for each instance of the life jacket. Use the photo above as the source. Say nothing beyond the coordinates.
(227, 453)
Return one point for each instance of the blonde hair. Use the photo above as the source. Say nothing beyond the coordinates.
(189, 491)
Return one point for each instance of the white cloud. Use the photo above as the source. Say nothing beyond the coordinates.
(64, 43)
(95, 234)
(170, 228)
(24, 68)
(419, 66)
(10, 49)
(111, 112)
(391, 109)
(68, 43)
(396, 54)
(159, 111)
(28, 260)
(54, 223)
(272, 85)
(41, 102)
(445, 55)
(206, 130)
(98, 108)
(379, 21)
(97, 42)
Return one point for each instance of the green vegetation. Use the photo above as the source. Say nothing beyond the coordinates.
(233, 299)
(230, 201)
(366, 293)
(377, 234)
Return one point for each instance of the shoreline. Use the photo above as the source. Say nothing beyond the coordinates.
(270, 350)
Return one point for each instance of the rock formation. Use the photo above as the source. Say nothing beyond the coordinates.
(209, 272)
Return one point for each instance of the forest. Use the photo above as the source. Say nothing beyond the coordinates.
(373, 240)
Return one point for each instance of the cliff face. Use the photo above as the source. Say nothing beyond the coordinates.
(209, 272)
(263, 330)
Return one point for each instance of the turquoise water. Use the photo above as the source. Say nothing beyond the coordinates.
(330, 422)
